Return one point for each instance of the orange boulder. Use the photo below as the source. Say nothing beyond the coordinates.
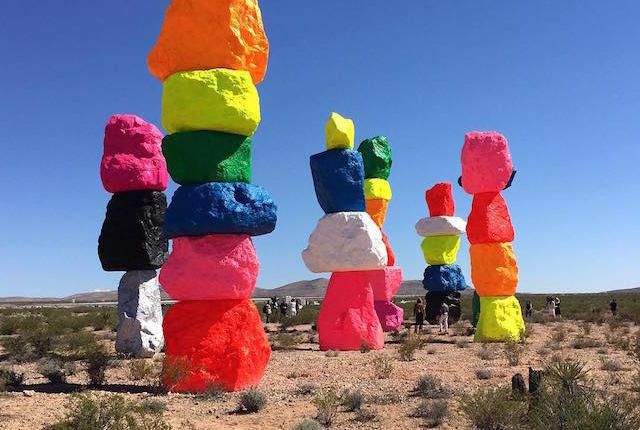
(211, 34)
(377, 208)
(494, 269)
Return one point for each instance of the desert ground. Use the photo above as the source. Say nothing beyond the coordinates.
(303, 382)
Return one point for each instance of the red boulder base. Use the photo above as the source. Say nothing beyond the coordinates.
(489, 220)
(440, 200)
(211, 344)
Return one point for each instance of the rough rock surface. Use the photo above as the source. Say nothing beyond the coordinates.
(486, 162)
(441, 226)
(221, 208)
(475, 309)
(433, 302)
(444, 278)
(377, 209)
(489, 220)
(214, 267)
(132, 159)
(340, 132)
(391, 257)
(384, 282)
(189, 41)
(500, 320)
(140, 315)
(132, 235)
(197, 157)
(440, 200)
(345, 242)
(377, 156)
(338, 178)
(214, 343)
(217, 100)
(494, 270)
(377, 189)
(440, 249)
(347, 318)
(391, 316)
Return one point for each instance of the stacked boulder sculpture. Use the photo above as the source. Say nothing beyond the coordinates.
(132, 238)
(487, 169)
(377, 158)
(347, 242)
(443, 279)
(210, 55)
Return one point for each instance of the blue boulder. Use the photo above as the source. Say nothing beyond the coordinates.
(338, 177)
(220, 208)
(444, 278)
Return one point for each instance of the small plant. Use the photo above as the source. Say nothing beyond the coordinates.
(493, 409)
(635, 382)
(487, 352)
(307, 424)
(586, 327)
(484, 374)
(611, 365)
(331, 354)
(365, 348)
(513, 353)
(98, 361)
(461, 344)
(559, 334)
(543, 352)
(173, 371)
(409, 346)
(327, 404)
(352, 400)
(9, 379)
(16, 348)
(430, 387)
(284, 341)
(53, 370)
(364, 415)
(213, 391)
(140, 370)
(252, 401)
(434, 412)
(306, 389)
(383, 366)
(583, 342)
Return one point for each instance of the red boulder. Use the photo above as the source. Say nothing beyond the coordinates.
(391, 257)
(440, 200)
(489, 220)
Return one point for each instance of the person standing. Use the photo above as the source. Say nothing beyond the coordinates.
(551, 307)
(294, 308)
(283, 308)
(266, 310)
(528, 309)
(444, 318)
(418, 313)
(557, 305)
(613, 306)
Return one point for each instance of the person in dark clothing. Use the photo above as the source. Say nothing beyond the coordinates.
(418, 313)
(283, 308)
(613, 305)
(557, 304)
(528, 309)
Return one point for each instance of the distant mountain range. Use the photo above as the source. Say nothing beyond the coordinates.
(313, 288)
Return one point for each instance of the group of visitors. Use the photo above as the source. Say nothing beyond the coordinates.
(443, 318)
(286, 308)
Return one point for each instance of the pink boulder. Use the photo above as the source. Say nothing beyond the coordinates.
(385, 283)
(214, 267)
(348, 319)
(486, 162)
(391, 316)
(132, 159)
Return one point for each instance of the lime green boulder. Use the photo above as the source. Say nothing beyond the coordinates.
(439, 250)
(197, 157)
(500, 320)
(475, 309)
(377, 157)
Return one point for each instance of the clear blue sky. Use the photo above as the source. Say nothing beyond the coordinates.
(560, 79)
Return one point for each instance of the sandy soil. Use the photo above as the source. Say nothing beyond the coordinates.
(454, 359)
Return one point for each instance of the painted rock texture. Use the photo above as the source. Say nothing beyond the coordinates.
(475, 309)
(494, 271)
(221, 208)
(198, 157)
(377, 156)
(377, 189)
(489, 220)
(205, 34)
(433, 302)
(140, 315)
(391, 316)
(344, 242)
(486, 162)
(347, 318)
(377, 209)
(340, 132)
(440, 200)
(444, 278)
(391, 257)
(217, 100)
(440, 249)
(215, 343)
(500, 320)
(338, 177)
(441, 226)
(132, 158)
(132, 235)
(215, 267)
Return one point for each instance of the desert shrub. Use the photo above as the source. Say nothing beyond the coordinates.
(559, 334)
(611, 365)
(105, 319)
(252, 401)
(153, 405)
(173, 371)
(16, 348)
(407, 349)
(461, 344)
(603, 351)
(306, 389)
(585, 326)
(10, 379)
(430, 387)
(635, 382)
(331, 354)
(92, 412)
(77, 344)
(284, 341)
(53, 370)
(493, 409)
(615, 324)
(365, 347)
(327, 404)
(307, 424)
(98, 361)
(213, 390)
(513, 353)
(298, 374)
(140, 370)
(10, 325)
(352, 400)
(484, 374)
(543, 352)
(364, 415)
(583, 342)
(383, 366)
(619, 342)
(431, 351)
(434, 412)
(487, 352)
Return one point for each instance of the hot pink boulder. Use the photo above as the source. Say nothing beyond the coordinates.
(486, 162)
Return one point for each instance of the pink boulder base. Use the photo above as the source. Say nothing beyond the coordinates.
(132, 158)
(348, 319)
(486, 162)
(214, 267)
(391, 316)
(384, 283)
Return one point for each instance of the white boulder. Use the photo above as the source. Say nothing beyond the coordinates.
(345, 242)
(441, 226)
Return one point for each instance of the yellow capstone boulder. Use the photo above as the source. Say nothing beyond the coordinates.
(500, 320)
(217, 100)
(440, 250)
(341, 132)
(376, 188)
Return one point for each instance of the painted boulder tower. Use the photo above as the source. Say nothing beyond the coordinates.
(443, 279)
(132, 238)
(349, 243)
(487, 169)
(210, 55)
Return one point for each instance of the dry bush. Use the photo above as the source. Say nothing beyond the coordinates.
(284, 341)
(174, 370)
(585, 326)
(513, 352)
(559, 334)
(611, 365)
(493, 409)
(307, 424)
(98, 361)
(141, 370)
(331, 354)
(410, 344)
(462, 344)
(583, 342)
(306, 389)
(352, 400)
(543, 352)
(55, 371)
(364, 415)
(252, 401)
(487, 352)
(327, 404)
(433, 412)
(430, 387)
(383, 366)
(10, 379)
(484, 374)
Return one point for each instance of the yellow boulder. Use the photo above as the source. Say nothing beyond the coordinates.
(341, 132)
(217, 100)
(500, 320)
(439, 250)
(376, 188)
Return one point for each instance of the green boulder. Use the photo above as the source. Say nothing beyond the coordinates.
(197, 157)
(376, 154)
